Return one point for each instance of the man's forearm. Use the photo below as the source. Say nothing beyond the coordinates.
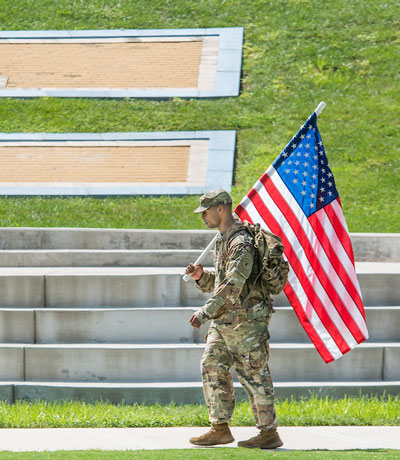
(206, 282)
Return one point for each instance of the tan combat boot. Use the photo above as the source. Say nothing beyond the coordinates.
(218, 434)
(264, 440)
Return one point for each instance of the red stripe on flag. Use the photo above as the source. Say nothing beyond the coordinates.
(308, 327)
(313, 260)
(301, 275)
(340, 231)
(242, 214)
(296, 304)
(337, 265)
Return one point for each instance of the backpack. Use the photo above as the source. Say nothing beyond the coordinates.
(274, 269)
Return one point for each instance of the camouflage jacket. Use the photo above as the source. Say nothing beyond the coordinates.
(235, 292)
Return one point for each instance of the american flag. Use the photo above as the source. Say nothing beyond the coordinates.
(296, 198)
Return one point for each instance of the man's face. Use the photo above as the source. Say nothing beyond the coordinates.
(212, 216)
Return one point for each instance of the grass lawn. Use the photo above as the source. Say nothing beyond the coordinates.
(206, 454)
(296, 53)
(313, 411)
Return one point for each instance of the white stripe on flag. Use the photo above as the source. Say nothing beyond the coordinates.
(324, 261)
(305, 263)
(296, 285)
(338, 247)
(323, 287)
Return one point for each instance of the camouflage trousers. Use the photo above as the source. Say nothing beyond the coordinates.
(245, 347)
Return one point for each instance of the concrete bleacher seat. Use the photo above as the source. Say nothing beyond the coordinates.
(99, 313)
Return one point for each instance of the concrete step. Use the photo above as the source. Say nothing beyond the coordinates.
(364, 249)
(17, 325)
(383, 325)
(180, 392)
(102, 238)
(100, 258)
(130, 325)
(379, 247)
(181, 363)
(12, 365)
(155, 325)
(66, 287)
(96, 287)
(376, 247)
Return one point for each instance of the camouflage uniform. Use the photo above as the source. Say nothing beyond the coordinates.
(238, 334)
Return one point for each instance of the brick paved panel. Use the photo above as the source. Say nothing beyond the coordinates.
(101, 65)
(94, 164)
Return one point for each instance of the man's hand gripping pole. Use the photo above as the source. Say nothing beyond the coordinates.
(203, 255)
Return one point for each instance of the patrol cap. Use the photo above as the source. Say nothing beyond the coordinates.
(213, 198)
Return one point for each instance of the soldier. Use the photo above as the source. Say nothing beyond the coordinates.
(238, 333)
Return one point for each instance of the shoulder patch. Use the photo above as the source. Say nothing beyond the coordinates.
(245, 265)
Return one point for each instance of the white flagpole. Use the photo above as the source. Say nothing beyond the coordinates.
(320, 108)
(204, 254)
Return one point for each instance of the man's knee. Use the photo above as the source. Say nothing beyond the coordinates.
(208, 359)
(216, 356)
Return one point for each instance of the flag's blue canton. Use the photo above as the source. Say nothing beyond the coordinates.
(303, 167)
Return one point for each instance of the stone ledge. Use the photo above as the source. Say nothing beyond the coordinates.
(209, 157)
(218, 71)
